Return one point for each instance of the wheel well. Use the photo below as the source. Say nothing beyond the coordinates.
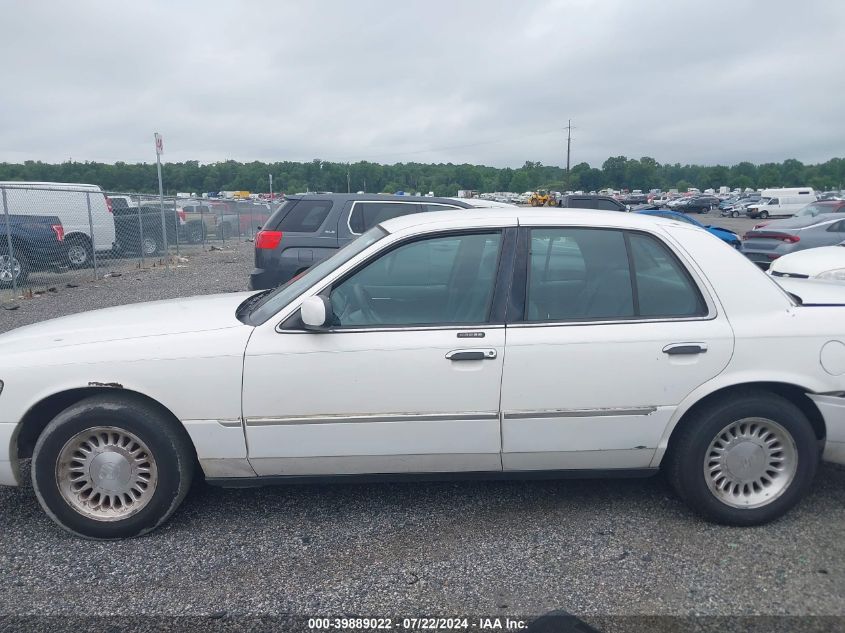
(79, 237)
(18, 245)
(41, 414)
(796, 395)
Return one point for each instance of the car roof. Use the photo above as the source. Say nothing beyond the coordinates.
(380, 197)
(522, 216)
(75, 186)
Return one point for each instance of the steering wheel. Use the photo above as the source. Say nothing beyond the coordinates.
(364, 304)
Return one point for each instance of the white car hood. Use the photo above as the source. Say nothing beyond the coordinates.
(156, 318)
(811, 261)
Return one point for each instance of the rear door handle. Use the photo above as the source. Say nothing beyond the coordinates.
(675, 349)
(471, 354)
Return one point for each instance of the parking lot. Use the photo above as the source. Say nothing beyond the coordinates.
(593, 548)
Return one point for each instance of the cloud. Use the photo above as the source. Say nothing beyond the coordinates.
(480, 81)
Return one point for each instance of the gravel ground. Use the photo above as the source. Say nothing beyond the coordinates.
(593, 548)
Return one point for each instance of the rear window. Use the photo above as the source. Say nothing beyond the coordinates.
(306, 216)
(366, 215)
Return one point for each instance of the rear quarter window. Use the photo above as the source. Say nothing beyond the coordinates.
(306, 216)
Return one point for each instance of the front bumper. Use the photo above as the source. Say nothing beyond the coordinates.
(832, 409)
(8, 455)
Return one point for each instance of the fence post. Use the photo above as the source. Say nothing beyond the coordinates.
(91, 228)
(141, 231)
(164, 230)
(9, 244)
(176, 226)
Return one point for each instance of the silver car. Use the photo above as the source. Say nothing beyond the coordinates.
(765, 243)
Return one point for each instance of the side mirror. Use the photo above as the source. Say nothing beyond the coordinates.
(315, 312)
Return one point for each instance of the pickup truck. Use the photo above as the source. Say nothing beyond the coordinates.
(37, 243)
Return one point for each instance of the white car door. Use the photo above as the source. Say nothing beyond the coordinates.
(406, 379)
(616, 332)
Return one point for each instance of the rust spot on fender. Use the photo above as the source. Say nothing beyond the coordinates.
(110, 385)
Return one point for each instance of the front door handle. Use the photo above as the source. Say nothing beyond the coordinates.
(675, 349)
(471, 354)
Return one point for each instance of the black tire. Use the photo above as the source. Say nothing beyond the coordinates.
(764, 214)
(684, 465)
(734, 214)
(168, 445)
(18, 262)
(79, 252)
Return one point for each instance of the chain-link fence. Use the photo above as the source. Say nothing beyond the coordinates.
(52, 234)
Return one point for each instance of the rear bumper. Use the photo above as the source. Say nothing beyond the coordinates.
(832, 409)
(264, 279)
(8, 455)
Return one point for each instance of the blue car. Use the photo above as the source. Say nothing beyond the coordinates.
(726, 235)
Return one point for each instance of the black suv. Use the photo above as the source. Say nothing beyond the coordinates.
(311, 227)
(602, 203)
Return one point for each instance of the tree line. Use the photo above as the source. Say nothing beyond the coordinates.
(444, 179)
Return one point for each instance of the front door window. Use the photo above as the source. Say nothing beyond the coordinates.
(437, 281)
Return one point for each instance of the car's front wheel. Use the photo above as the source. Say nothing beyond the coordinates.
(744, 461)
(111, 467)
(14, 267)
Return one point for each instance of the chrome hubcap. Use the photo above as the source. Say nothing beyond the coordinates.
(106, 473)
(149, 246)
(77, 254)
(10, 268)
(750, 463)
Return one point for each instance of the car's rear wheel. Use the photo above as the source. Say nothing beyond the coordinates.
(195, 232)
(744, 461)
(79, 252)
(111, 467)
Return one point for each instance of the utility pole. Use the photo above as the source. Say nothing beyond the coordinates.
(568, 149)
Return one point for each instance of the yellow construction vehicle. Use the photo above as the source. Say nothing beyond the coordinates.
(542, 198)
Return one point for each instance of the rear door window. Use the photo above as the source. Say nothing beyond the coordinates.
(306, 217)
(663, 286)
(365, 214)
(578, 274)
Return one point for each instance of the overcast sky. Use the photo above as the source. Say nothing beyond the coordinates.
(482, 81)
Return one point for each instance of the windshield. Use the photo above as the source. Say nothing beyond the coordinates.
(283, 295)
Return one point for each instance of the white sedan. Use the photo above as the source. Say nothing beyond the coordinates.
(826, 263)
(496, 343)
